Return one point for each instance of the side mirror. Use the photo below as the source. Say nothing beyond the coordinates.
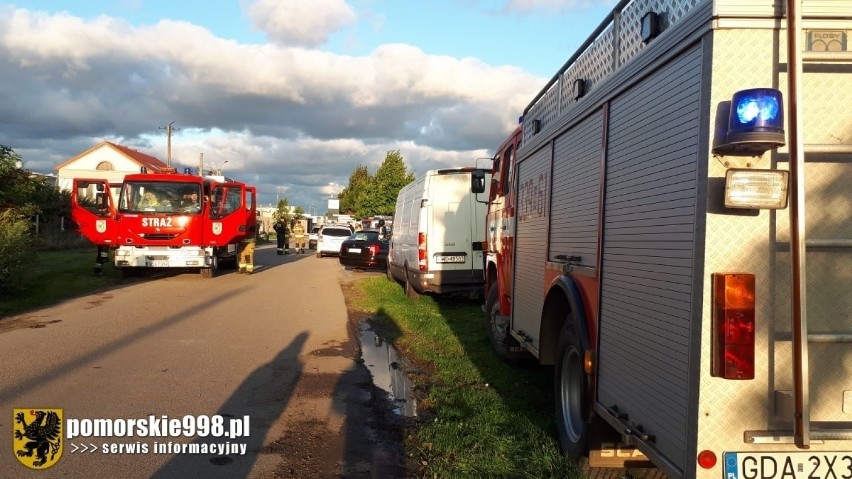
(477, 181)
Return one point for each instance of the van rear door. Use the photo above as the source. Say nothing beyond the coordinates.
(453, 224)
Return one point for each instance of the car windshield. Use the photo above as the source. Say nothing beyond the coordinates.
(342, 232)
(365, 236)
(162, 197)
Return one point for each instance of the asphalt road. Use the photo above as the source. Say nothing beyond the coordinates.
(235, 347)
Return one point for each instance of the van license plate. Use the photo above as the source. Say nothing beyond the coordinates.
(354, 250)
(449, 259)
(160, 263)
(793, 465)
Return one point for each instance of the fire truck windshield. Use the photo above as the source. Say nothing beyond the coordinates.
(160, 197)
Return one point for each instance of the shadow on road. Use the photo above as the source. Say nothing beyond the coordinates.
(263, 396)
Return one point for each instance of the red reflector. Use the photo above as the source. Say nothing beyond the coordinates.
(706, 459)
(733, 325)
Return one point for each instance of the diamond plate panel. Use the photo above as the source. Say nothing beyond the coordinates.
(593, 66)
(826, 106)
(737, 244)
(603, 57)
(758, 244)
(670, 11)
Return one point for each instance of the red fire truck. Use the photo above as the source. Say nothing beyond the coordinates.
(166, 220)
(647, 237)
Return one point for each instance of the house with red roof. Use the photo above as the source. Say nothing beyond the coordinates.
(106, 160)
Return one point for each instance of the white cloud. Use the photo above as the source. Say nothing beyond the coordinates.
(281, 116)
(300, 22)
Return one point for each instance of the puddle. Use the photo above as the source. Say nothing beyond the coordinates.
(383, 361)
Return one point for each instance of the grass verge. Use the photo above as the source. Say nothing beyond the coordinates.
(478, 416)
(59, 275)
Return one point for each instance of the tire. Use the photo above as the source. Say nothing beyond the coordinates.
(501, 341)
(571, 386)
(409, 288)
(210, 272)
(389, 273)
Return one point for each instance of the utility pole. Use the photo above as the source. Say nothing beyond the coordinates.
(169, 129)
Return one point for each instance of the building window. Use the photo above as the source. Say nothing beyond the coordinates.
(105, 166)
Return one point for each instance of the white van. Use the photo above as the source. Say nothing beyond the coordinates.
(438, 233)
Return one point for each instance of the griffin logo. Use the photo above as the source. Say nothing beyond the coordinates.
(37, 437)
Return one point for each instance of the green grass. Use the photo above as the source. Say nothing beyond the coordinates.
(59, 275)
(479, 416)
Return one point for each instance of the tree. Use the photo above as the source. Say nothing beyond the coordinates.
(20, 197)
(370, 195)
(298, 213)
(16, 185)
(283, 212)
(353, 197)
(390, 177)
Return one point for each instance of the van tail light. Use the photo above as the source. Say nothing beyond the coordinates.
(422, 260)
(733, 325)
(374, 250)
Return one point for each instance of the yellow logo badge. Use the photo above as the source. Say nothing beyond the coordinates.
(37, 437)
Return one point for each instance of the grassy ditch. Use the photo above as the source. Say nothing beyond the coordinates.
(478, 416)
(56, 276)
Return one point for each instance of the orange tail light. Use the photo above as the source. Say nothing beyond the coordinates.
(733, 325)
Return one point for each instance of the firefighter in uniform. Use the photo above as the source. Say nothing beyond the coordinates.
(102, 257)
(280, 228)
(299, 234)
(245, 257)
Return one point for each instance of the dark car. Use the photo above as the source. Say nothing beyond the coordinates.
(364, 249)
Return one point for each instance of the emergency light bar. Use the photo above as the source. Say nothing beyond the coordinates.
(756, 189)
(755, 122)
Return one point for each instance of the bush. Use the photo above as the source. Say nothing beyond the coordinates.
(17, 250)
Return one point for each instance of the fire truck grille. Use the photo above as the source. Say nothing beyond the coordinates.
(158, 236)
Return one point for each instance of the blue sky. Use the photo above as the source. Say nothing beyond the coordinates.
(294, 94)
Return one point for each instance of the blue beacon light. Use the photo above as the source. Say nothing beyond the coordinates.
(756, 122)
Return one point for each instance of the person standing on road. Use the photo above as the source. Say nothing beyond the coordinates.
(280, 228)
(102, 257)
(299, 234)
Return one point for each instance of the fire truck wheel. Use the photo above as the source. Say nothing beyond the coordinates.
(498, 332)
(211, 271)
(409, 288)
(571, 393)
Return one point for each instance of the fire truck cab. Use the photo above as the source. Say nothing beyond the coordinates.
(167, 220)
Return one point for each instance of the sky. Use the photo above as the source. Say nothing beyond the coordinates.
(287, 95)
